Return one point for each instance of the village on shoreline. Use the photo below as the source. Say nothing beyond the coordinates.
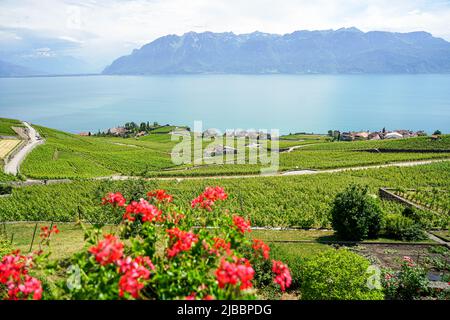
(131, 129)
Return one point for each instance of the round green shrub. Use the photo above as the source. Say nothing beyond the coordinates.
(355, 214)
(402, 228)
(337, 275)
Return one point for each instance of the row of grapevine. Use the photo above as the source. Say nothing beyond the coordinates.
(302, 201)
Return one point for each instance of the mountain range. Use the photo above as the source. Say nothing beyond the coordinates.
(347, 50)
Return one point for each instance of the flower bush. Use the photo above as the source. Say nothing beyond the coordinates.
(17, 281)
(161, 252)
(409, 283)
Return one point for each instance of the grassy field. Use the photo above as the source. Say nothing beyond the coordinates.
(302, 201)
(71, 238)
(6, 126)
(69, 156)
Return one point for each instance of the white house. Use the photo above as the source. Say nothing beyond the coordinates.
(393, 135)
(219, 151)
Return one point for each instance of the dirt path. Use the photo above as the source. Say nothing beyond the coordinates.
(296, 147)
(12, 167)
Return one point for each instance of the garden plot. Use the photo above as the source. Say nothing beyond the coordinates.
(436, 259)
(7, 145)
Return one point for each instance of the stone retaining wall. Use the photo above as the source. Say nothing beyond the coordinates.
(386, 193)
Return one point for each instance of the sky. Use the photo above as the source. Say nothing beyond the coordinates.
(101, 30)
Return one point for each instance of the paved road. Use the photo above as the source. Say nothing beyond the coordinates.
(12, 167)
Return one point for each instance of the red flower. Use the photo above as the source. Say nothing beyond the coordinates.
(241, 224)
(192, 296)
(206, 199)
(408, 261)
(182, 241)
(173, 217)
(283, 275)
(107, 251)
(31, 286)
(14, 275)
(260, 247)
(237, 272)
(148, 211)
(127, 264)
(116, 199)
(220, 246)
(46, 231)
(160, 195)
(135, 272)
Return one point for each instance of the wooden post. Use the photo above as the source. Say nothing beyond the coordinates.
(34, 235)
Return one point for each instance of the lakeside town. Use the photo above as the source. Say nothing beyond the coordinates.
(131, 129)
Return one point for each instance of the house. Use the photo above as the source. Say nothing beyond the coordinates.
(393, 135)
(141, 134)
(347, 136)
(361, 135)
(219, 151)
(435, 137)
(251, 134)
(374, 136)
(421, 133)
(210, 133)
(118, 131)
(406, 133)
(84, 134)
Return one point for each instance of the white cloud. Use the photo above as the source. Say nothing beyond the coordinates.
(104, 29)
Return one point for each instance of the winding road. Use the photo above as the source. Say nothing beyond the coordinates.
(13, 165)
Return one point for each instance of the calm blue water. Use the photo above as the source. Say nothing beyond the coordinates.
(287, 102)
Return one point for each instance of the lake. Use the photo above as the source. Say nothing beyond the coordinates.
(290, 103)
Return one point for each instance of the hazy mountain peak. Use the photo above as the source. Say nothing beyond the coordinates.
(351, 29)
(346, 50)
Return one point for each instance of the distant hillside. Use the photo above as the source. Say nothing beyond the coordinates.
(347, 50)
(9, 70)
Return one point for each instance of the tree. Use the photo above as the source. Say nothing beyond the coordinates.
(143, 126)
(437, 133)
(355, 214)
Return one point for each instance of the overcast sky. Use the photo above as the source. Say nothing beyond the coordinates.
(103, 29)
